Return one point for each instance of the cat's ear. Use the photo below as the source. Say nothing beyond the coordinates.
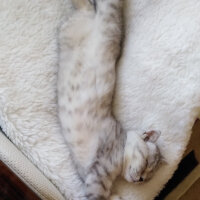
(151, 136)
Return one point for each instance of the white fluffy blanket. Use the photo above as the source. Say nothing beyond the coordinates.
(158, 83)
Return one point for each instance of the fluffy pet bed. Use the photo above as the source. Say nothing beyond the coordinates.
(158, 83)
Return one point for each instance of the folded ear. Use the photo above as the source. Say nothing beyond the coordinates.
(151, 136)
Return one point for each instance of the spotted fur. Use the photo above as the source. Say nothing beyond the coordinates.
(89, 48)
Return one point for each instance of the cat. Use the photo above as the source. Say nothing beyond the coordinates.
(89, 47)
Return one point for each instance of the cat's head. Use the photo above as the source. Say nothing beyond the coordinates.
(141, 156)
(154, 156)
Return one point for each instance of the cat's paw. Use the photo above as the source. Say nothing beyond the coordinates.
(141, 156)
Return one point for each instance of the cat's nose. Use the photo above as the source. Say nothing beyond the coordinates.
(141, 179)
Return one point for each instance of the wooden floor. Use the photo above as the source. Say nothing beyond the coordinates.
(193, 193)
(12, 188)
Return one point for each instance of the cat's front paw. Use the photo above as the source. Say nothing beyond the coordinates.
(141, 156)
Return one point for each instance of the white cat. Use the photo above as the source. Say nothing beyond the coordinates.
(89, 48)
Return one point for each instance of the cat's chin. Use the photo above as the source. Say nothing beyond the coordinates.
(134, 178)
(131, 179)
(135, 181)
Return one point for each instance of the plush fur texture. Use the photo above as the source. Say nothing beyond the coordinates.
(161, 47)
(159, 79)
(28, 77)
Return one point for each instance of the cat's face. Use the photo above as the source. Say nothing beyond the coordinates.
(141, 156)
(153, 160)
